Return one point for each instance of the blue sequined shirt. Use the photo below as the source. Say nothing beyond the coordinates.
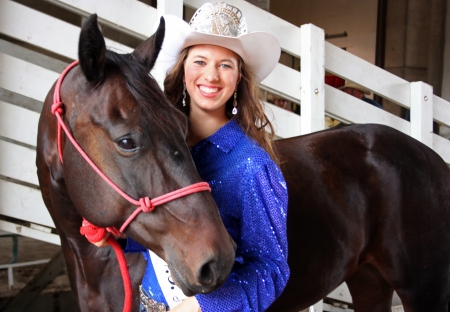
(251, 194)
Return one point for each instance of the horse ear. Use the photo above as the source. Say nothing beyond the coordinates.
(92, 50)
(147, 52)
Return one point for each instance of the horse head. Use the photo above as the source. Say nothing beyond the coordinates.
(120, 117)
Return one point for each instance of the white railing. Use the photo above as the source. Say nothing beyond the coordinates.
(26, 76)
(10, 266)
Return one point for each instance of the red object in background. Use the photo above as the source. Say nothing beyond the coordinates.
(334, 81)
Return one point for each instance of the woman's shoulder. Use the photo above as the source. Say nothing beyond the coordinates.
(242, 151)
(258, 171)
(251, 148)
(255, 157)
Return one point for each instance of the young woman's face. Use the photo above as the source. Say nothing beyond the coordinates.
(211, 74)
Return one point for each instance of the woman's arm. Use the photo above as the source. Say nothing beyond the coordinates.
(261, 270)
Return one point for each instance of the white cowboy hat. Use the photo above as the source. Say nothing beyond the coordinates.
(223, 25)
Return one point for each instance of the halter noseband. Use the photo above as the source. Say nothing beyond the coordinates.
(144, 204)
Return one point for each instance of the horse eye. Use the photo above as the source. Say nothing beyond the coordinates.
(126, 144)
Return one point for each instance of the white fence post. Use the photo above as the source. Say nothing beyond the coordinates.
(312, 79)
(173, 7)
(422, 112)
(318, 307)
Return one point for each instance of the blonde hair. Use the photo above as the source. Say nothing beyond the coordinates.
(250, 116)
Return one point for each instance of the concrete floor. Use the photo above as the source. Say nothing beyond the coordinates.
(57, 296)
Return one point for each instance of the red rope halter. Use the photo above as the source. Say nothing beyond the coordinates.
(93, 233)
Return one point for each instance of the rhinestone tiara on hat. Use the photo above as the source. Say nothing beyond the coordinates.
(219, 18)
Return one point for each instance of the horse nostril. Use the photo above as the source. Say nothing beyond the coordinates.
(206, 275)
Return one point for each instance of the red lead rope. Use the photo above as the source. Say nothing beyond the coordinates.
(94, 233)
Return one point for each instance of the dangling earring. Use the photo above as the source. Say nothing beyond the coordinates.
(184, 94)
(234, 111)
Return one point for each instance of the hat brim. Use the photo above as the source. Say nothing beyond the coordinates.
(357, 87)
(260, 51)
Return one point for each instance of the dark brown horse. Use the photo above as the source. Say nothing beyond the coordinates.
(368, 205)
(121, 119)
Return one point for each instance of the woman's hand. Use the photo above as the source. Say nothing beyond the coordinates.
(188, 305)
(104, 241)
(93, 233)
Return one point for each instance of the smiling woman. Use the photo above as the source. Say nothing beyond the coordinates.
(214, 66)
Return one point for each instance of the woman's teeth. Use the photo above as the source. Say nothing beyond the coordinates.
(208, 90)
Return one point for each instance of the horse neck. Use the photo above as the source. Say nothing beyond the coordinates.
(51, 175)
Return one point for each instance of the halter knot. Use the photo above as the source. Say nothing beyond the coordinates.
(146, 204)
(58, 107)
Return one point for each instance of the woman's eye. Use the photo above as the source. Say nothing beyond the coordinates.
(126, 144)
(199, 62)
(225, 66)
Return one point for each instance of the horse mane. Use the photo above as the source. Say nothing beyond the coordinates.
(146, 92)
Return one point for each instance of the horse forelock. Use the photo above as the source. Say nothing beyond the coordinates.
(147, 93)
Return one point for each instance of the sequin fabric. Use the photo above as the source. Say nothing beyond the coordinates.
(251, 194)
